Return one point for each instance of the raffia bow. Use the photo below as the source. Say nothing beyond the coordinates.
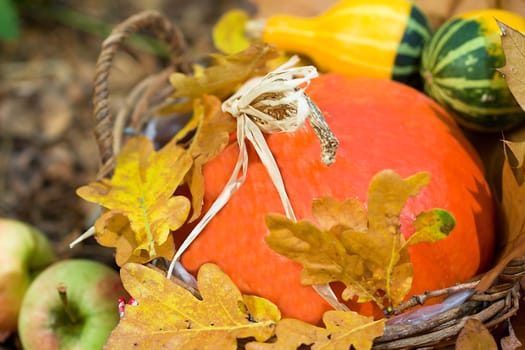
(273, 103)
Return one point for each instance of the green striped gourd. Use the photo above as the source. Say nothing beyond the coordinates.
(459, 69)
(372, 38)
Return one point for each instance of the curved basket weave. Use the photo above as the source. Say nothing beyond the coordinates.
(108, 130)
(493, 307)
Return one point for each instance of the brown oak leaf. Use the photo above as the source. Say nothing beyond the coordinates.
(343, 330)
(362, 248)
(221, 78)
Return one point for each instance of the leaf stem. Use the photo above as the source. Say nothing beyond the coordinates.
(62, 293)
(152, 251)
(88, 233)
(390, 267)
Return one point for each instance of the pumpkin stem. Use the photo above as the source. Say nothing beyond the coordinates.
(329, 142)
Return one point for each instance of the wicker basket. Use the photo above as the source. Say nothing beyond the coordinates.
(493, 307)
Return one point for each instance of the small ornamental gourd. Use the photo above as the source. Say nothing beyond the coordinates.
(380, 124)
(370, 38)
(459, 69)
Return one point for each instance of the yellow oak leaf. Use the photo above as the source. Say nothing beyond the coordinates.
(222, 78)
(363, 247)
(212, 128)
(170, 317)
(260, 309)
(344, 330)
(113, 230)
(142, 209)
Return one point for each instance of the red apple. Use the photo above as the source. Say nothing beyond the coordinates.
(25, 251)
(73, 304)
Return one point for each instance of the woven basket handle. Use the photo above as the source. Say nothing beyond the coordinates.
(104, 120)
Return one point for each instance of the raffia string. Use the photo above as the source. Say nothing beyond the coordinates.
(270, 104)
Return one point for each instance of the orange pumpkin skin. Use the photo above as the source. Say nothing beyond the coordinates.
(380, 124)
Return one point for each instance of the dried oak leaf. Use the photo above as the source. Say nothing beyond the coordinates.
(212, 128)
(362, 248)
(512, 206)
(513, 197)
(170, 317)
(513, 43)
(221, 78)
(344, 330)
(512, 210)
(475, 336)
(142, 209)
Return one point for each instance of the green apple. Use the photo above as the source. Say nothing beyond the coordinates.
(24, 252)
(73, 304)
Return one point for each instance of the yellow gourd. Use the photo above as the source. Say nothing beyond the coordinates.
(373, 38)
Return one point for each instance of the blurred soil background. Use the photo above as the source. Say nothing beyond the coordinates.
(47, 147)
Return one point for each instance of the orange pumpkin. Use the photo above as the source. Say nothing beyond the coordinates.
(380, 124)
